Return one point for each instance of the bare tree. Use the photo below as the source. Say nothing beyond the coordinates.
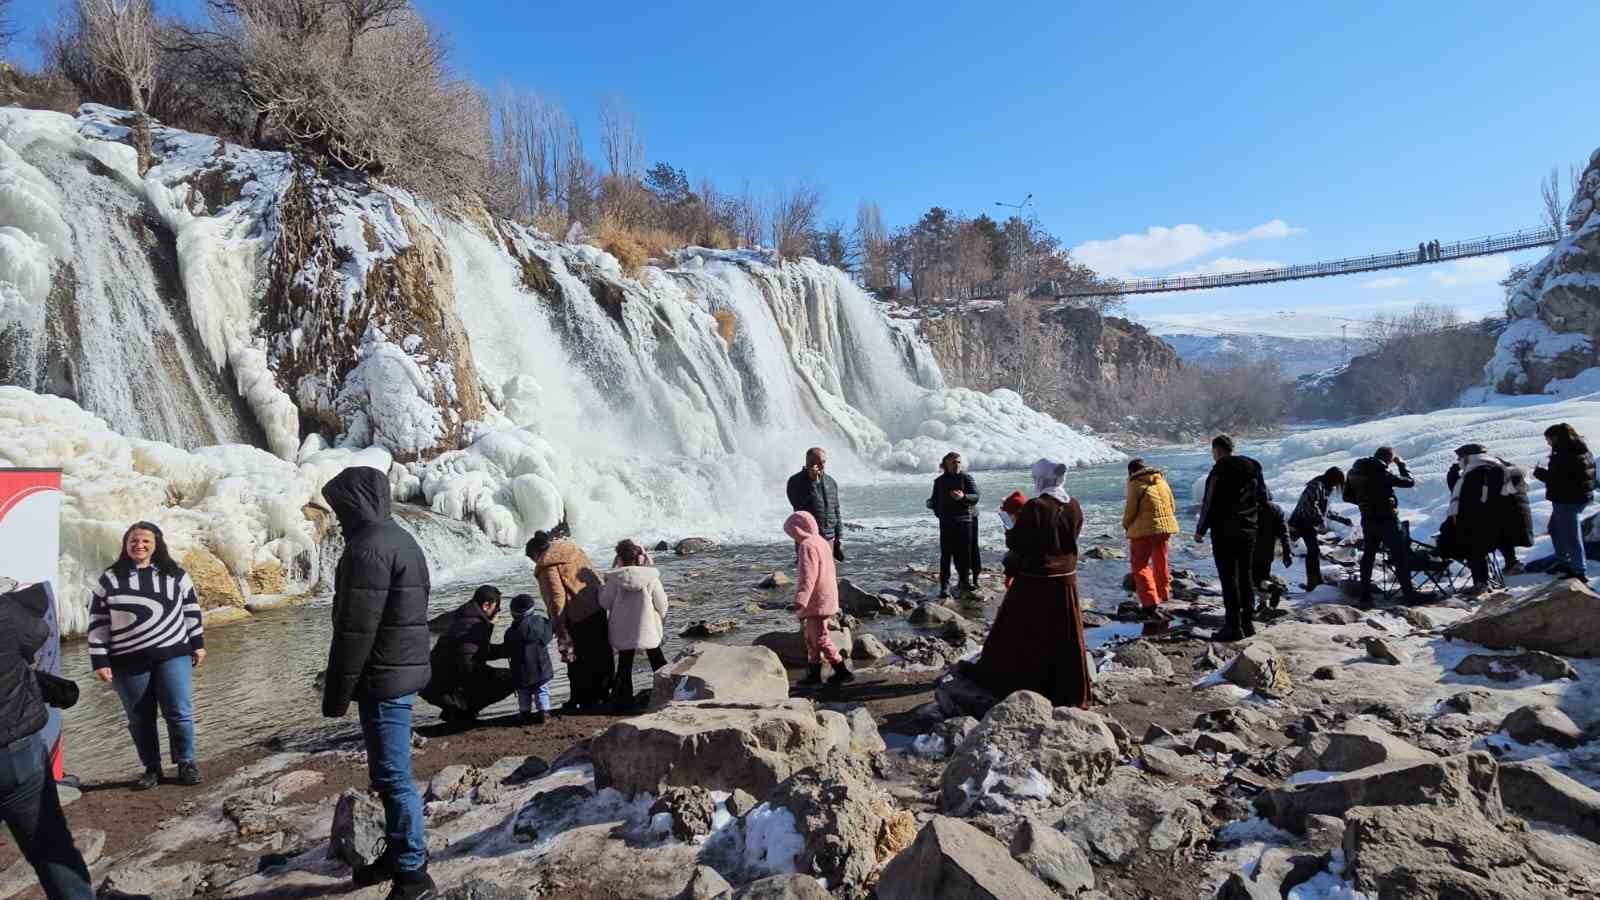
(8, 25)
(750, 217)
(794, 219)
(872, 239)
(1033, 367)
(619, 135)
(1553, 207)
(119, 41)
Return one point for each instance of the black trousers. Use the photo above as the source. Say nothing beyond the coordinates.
(1234, 555)
(1387, 532)
(1313, 555)
(591, 671)
(624, 689)
(1478, 565)
(957, 543)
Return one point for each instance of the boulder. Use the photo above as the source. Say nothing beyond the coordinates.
(739, 803)
(1142, 654)
(790, 645)
(724, 674)
(951, 859)
(691, 810)
(1260, 668)
(1133, 814)
(1467, 780)
(691, 546)
(1328, 614)
(1169, 763)
(1221, 742)
(1385, 652)
(838, 728)
(775, 580)
(932, 615)
(1512, 667)
(291, 783)
(1469, 702)
(1441, 851)
(252, 813)
(1024, 751)
(705, 884)
(1356, 745)
(843, 818)
(452, 783)
(662, 547)
(479, 889)
(1240, 886)
(867, 647)
(864, 735)
(959, 696)
(1104, 552)
(214, 586)
(549, 812)
(1558, 618)
(858, 602)
(356, 837)
(707, 628)
(1052, 857)
(783, 887)
(1535, 724)
(1535, 791)
(715, 745)
(139, 880)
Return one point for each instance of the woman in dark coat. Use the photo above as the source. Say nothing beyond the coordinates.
(1569, 486)
(1037, 642)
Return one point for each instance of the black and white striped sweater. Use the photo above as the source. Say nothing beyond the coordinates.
(142, 618)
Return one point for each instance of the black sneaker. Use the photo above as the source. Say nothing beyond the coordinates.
(539, 718)
(376, 872)
(1228, 636)
(1248, 629)
(148, 780)
(188, 774)
(414, 885)
(841, 675)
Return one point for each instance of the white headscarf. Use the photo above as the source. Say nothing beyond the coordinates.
(1049, 478)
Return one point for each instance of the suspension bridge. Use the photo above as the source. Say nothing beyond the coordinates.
(1484, 246)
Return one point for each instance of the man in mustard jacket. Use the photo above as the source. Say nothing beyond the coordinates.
(1150, 516)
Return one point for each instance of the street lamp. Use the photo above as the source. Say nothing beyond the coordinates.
(1012, 238)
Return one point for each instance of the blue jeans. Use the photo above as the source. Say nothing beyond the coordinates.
(527, 696)
(1566, 536)
(386, 725)
(29, 805)
(168, 684)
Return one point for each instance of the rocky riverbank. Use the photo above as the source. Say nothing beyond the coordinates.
(1440, 750)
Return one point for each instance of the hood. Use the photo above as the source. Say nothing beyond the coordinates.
(801, 526)
(634, 578)
(1146, 475)
(359, 497)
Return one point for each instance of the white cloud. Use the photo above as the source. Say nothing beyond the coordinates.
(1388, 282)
(1224, 265)
(1162, 247)
(1474, 270)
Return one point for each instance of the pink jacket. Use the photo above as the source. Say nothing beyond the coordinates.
(817, 591)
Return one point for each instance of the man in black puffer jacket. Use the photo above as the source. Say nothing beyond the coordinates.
(28, 800)
(1371, 486)
(954, 503)
(1230, 510)
(379, 659)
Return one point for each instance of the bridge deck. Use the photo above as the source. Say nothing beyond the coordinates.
(1484, 246)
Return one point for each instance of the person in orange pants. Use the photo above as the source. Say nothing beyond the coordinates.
(1150, 517)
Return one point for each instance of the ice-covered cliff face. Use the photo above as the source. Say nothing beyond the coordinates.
(233, 297)
(1554, 331)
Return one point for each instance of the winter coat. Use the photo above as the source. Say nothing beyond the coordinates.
(528, 648)
(569, 584)
(380, 598)
(1235, 491)
(637, 605)
(816, 591)
(1149, 508)
(1311, 511)
(1569, 478)
(1272, 535)
(1372, 485)
(23, 631)
(1044, 542)
(1489, 506)
(820, 498)
(462, 648)
(949, 509)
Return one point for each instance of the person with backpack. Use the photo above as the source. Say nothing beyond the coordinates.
(1485, 512)
(1310, 518)
(1150, 518)
(1231, 510)
(528, 648)
(1569, 486)
(954, 503)
(1371, 486)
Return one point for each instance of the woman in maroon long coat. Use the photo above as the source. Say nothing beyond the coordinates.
(1037, 643)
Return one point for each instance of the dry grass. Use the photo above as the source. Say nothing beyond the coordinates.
(32, 91)
(633, 247)
(727, 326)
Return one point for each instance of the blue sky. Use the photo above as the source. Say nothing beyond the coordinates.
(1278, 132)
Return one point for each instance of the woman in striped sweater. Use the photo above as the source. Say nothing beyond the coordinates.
(144, 638)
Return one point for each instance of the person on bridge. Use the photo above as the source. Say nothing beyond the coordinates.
(954, 503)
(814, 491)
(1422, 253)
(1231, 511)
(1310, 519)
(1370, 486)
(1150, 517)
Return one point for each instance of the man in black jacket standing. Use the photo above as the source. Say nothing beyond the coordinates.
(29, 804)
(954, 502)
(814, 491)
(1373, 485)
(379, 659)
(1235, 491)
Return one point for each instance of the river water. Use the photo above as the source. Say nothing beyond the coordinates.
(258, 679)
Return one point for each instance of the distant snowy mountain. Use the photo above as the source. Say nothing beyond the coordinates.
(1299, 344)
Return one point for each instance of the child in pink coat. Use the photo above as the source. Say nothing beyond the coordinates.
(816, 597)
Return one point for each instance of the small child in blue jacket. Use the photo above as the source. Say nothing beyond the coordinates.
(528, 646)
